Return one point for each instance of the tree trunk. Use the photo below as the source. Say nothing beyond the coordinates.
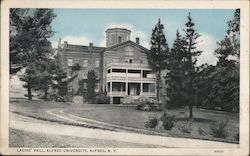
(45, 94)
(29, 91)
(158, 85)
(190, 112)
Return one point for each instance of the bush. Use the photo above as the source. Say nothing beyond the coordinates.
(186, 128)
(151, 123)
(148, 104)
(219, 129)
(127, 100)
(201, 131)
(102, 99)
(168, 121)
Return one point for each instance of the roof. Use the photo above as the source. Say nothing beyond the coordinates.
(85, 48)
(127, 42)
(111, 29)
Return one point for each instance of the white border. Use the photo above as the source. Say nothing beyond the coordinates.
(159, 4)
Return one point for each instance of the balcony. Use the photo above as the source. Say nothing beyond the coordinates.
(117, 93)
(131, 77)
(128, 65)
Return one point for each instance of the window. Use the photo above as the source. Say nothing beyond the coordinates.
(96, 87)
(84, 85)
(97, 74)
(119, 39)
(85, 63)
(70, 62)
(97, 63)
(112, 38)
(85, 75)
(70, 89)
(130, 61)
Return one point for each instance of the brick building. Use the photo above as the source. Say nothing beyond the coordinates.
(121, 67)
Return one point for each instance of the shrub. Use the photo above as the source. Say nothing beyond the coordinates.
(151, 123)
(127, 100)
(219, 129)
(201, 131)
(168, 121)
(102, 99)
(186, 128)
(148, 104)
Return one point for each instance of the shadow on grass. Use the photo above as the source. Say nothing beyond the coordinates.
(62, 122)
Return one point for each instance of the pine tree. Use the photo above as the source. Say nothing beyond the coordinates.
(158, 54)
(91, 81)
(30, 78)
(30, 30)
(45, 72)
(175, 73)
(228, 53)
(190, 60)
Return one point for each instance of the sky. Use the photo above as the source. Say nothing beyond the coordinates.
(81, 26)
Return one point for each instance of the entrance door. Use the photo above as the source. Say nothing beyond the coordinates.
(133, 89)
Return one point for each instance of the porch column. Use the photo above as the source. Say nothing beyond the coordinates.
(141, 84)
(126, 81)
(141, 87)
(111, 94)
(126, 87)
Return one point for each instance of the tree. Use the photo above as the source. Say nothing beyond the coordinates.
(44, 71)
(175, 73)
(30, 30)
(158, 54)
(30, 78)
(190, 59)
(91, 81)
(219, 85)
(228, 53)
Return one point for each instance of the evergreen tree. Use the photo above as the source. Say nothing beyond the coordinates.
(45, 72)
(30, 78)
(228, 53)
(30, 30)
(158, 54)
(91, 80)
(190, 59)
(175, 73)
(219, 85)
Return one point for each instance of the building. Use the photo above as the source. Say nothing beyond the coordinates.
(121, 67)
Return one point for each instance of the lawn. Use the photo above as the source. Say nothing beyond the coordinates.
(131, 117)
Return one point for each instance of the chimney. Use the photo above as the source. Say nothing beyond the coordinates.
(137, 40)
(90, 45)
(65, 44)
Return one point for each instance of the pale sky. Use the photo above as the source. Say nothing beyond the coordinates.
(81, 26)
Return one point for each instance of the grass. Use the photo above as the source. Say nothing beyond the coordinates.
(19, 138)
(130, 117)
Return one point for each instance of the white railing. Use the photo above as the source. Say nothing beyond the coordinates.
(129, 65)
(151, 94)
(117, 93)
(131, 77)
(135, 75)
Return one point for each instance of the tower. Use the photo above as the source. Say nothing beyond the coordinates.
(116, 36)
